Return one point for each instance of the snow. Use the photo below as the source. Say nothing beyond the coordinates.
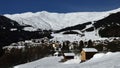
(11, 47)
(88, 26)
(108, 60)
(69, 54)
(98, 55)
(100, 60)
(76, 60)
(42, 63)
(60, 37)
(30, 29)
(93, 35)
(28, 41)
(90, 50)
(13, 29)
(72, 61)
(56, 21)
(56, 53)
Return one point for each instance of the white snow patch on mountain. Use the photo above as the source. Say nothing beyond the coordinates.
(93, 35)
(30, 29)
(61, 37)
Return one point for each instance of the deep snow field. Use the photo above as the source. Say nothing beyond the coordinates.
(100, 60)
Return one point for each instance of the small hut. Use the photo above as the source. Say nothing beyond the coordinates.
(87, 53)
(68, 56)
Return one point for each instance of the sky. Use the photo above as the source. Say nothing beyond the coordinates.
(59, 6)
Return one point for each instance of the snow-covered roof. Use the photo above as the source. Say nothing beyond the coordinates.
(69, 54)
(56, 53)
(10, 47)
(90, 50)
(28, 41)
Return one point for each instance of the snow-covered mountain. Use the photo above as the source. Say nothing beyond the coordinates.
(89, 25)
(56, 21)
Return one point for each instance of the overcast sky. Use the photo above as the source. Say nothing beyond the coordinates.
(60, 6)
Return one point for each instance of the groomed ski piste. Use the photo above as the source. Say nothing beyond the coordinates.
(99, 60)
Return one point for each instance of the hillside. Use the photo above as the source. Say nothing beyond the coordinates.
(11, 31)
(56, 21)
(85, 25)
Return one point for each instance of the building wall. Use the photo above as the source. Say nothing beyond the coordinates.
(89, 55)
(83, 56)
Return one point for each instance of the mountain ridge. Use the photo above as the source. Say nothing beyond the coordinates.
(56, 21)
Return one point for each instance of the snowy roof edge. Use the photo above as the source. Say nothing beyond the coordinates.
(90, 50)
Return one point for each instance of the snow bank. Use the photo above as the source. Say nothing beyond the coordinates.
(72, 61)
(76, 60)
(100, 60)
(42, 63)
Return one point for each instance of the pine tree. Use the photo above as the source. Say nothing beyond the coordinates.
(81, 45)
(90, 44)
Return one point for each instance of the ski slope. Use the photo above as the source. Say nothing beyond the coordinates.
(93, 35)
(100, 60)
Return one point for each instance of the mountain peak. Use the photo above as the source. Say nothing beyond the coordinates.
(56, 21)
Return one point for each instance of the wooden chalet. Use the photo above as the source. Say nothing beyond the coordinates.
(87, 53)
